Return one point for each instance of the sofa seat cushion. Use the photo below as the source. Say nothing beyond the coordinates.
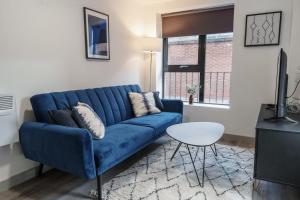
(160, 121)
(120, 142)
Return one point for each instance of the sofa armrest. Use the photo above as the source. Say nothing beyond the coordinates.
(172, 105)
(65, 148)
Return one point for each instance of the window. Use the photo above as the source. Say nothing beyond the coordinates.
(198, 51)
(183, 50)
(204, 60)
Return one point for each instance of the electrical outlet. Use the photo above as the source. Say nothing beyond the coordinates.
(297, 74)
(296, 98)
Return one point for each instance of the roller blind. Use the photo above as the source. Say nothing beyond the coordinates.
(198, 22)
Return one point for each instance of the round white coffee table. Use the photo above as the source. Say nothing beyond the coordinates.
(199, 134)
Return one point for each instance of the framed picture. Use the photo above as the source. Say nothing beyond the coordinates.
(263, 29)
(96, 34)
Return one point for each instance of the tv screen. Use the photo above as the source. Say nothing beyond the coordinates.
(282, 81)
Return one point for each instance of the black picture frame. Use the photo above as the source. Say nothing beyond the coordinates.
(271, 24)
(96, 29)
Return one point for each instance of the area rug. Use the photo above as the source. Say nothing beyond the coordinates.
(228, 176)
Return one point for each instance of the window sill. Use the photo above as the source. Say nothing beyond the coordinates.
(207, 105)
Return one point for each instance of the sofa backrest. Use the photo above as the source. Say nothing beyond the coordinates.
(112, 104)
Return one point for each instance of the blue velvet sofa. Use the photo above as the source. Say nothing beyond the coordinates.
(74, 150)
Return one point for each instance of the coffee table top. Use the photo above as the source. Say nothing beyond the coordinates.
(196, 133)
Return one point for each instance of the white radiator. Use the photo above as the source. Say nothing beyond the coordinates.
(8, 120)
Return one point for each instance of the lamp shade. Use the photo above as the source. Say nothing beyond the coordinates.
(151, 44)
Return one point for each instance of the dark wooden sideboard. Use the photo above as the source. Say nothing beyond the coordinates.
(277, 149)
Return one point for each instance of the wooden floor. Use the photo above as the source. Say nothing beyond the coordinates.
(54, 183)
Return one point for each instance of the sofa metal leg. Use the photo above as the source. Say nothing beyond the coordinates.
(40, 173)
(99, 187)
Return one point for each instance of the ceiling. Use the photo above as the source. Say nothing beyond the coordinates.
(147, 2)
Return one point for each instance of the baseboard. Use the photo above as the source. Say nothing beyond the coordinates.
(238, 140)
(20, 178)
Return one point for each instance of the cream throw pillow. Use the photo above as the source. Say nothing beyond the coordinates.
(143, 103)
(86, 117)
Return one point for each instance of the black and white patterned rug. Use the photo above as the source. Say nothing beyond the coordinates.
(228, 176)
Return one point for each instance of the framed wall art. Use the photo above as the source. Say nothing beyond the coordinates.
(96, 34)
(263, 29)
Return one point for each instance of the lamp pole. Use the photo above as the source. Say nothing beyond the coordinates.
(150, 80)
(151, 45)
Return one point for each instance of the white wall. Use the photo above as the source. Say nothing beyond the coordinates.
(253, 71)
(294, 56)
(42, 49)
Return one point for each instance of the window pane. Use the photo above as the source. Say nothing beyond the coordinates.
(175, 84)
(218, 64)
(183, 50)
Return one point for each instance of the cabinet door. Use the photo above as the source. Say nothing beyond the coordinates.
(278, 156)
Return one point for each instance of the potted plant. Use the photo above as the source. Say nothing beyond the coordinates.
(191, 90)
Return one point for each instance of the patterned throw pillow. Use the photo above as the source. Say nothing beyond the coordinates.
(143, 103)
(86, 118)
(158, 102)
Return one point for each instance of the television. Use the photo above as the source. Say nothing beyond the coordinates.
(281, 90)
(282, 82)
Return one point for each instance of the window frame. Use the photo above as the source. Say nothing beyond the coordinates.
(200, 67)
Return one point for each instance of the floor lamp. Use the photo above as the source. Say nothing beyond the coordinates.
(151, 45)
